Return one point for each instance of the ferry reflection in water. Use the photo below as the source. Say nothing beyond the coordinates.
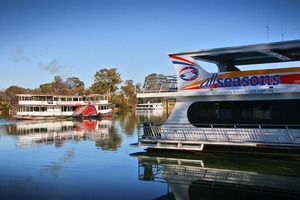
(221, 176)
(150, 115)
(36, 133)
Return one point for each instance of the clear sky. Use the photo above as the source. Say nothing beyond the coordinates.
(40, 39)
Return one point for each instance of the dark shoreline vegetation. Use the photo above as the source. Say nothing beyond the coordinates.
(106, 81)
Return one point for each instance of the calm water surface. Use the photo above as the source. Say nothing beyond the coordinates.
(93, 160)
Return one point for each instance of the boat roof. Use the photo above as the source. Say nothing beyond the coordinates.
(284, 51)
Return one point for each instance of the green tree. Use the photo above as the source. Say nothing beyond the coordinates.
(88, 91)
(9, 95)
(128, 90)
(35, 91)
(46, 88)
(76, 85)
(138, 88)
(9, 99)
(120, 102)
(106, 81)
(58, 86)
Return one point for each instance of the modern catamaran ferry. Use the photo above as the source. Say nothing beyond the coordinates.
(256, 108)
(40, 106)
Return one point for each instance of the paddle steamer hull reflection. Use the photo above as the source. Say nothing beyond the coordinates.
(223, 177)
(36, 133)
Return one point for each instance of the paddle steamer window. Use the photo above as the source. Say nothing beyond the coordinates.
(68, 108)
(41, 98)
(103, 107)
(245, 112)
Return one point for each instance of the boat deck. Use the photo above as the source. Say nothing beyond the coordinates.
(187, 137)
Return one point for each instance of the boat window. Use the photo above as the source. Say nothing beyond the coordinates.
(244, 112)
(104, 107)
(223, 110)
(42, 98)
(68, 108)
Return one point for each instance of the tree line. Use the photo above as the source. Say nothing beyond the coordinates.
(106, 81)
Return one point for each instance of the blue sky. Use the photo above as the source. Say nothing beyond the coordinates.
(40, 39)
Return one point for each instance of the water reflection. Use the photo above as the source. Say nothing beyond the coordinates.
(57, 166)
(129, 120)
(37, 133)
(191, 176)
(151, 115)
(105, 133)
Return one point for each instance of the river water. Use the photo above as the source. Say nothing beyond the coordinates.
(93, 159)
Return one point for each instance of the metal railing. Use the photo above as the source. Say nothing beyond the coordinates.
(159, 84)
(266, 133)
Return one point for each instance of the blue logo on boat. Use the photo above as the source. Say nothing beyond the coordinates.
(189, 73)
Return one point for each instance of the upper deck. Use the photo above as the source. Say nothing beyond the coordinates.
(43, 99)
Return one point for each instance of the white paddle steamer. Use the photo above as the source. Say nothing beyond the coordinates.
(40, 106)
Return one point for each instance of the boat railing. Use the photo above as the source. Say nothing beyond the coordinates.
(266, 133)
(159, 84)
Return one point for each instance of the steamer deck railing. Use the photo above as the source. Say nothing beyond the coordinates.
(189, 137)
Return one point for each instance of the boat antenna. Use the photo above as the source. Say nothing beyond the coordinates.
(268, 31)
(282, 35)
